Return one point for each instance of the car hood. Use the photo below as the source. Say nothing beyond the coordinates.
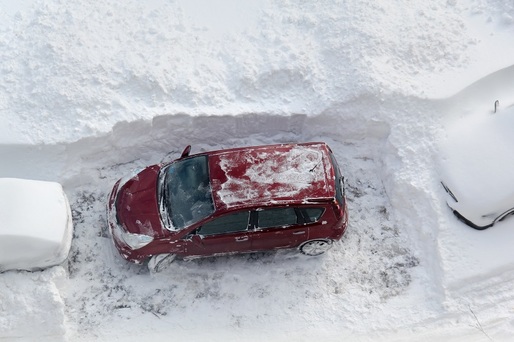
(137, 203)
(476, 164)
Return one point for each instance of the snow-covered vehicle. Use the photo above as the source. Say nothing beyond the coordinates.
(231, 201)
(478, 168)
(36, 226)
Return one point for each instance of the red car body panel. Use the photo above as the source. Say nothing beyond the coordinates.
(245, 180)
(137, 203)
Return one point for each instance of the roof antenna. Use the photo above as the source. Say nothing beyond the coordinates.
(496, 105)
(315, 166)
(319, 161)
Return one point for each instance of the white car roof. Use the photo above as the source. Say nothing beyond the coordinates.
(35, 224)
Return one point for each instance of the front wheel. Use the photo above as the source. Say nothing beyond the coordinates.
(159, 262)
(315, 247)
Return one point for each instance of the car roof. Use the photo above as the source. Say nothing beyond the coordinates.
(34, 209)
(267, 175)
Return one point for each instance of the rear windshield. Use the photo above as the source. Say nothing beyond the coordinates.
(186, 196)
(339, 181)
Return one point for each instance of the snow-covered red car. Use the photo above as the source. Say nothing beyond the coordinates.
(477, 168)
(231, 201)
(36, 226)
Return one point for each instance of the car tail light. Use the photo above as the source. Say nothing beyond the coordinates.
(338, 210)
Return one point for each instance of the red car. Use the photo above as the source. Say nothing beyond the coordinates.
(230, 201)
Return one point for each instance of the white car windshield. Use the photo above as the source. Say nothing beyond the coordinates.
(185, 192)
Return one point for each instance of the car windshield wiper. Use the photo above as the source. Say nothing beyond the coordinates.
(164, 203)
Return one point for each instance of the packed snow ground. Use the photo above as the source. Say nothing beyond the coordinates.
(92, 92)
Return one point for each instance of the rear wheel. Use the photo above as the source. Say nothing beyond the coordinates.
(316, 247)
(159, 262)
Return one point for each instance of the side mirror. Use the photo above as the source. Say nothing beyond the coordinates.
(186, 152)
(190, 235)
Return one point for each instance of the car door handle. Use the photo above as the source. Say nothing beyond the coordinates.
(299, 233)
(241, 238)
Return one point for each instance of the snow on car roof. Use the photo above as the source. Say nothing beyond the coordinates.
(30, 208)
(271, 174)
(477, 158)
(35, 224)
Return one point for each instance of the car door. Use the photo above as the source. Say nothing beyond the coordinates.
(222, 235)
(278, 228)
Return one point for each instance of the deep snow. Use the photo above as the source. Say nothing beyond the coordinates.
(92, 92)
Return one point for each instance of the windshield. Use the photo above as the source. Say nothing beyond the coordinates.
(186, 196)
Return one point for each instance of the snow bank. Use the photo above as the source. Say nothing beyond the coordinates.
(31, 305)
(72, 70)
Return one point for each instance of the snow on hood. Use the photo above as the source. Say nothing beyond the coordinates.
(477, 160)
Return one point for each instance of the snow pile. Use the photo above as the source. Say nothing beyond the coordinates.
(72, 70)
(32, 306)
(90, 93)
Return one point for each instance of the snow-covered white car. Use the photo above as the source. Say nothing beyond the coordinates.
(36, 226)
(478, 167)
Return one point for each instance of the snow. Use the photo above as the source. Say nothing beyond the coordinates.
(474, 166)
(297, 171)
(92, 92)
(36, 227)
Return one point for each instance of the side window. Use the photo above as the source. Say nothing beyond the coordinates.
(313, 214)
(230, 223)
(277, 217)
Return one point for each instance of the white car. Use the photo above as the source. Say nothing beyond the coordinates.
(36, 226)
(478, 167)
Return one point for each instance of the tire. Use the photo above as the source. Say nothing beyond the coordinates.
(315, 247)
(160, 262)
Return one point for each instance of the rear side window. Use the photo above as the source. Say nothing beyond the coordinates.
(230, 223)
(277, 217)
(280, 217)
(313, 214)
